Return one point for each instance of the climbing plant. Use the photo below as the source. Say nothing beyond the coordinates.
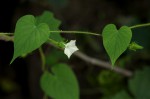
(60, 83)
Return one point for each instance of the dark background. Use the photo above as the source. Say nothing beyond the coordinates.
(21, 79)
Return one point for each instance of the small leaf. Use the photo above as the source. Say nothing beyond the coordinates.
(61, 83)
(139, 84)
(116, 41)
(134, 46)
(29, 35)
(48, 18)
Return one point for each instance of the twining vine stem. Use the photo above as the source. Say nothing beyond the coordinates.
(9, 37)
(43, 65)
(42, 59)
(53, 41)
(77, 32)
(7, 33)
(139, 25)
(89, 33)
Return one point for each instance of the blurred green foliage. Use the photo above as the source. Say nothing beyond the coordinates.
(55, 56)
(8, 85)
(110, 82)
(138, 86)
(121, 95)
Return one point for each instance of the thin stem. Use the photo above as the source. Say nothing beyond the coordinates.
(53, 41)
(42, 58)
(6, 37)
(7, 33)
(55, 44)
(139, 25)
(77, 32)
(83, 32)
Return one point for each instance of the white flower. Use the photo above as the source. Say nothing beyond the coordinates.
(70, 48)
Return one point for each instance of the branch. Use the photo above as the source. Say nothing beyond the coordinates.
(103, 64)
(6, 38)
(99, 63)
(85, 58)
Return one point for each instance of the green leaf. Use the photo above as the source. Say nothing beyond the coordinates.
(122, 95)
(140, 84)
(116, 41)
(61, 83)
(29, 35)
(48, 18)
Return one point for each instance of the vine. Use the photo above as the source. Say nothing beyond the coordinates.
(31, 32)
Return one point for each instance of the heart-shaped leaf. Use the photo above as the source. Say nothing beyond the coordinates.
(116, 41)
(29, 35)
(61, 83)
(48, 18)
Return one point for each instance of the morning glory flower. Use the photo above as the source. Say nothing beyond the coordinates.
(70, 48)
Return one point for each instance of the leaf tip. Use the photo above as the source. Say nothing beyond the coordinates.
(12, 61)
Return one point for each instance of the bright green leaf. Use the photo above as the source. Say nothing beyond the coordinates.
(61, 83)
(48, 18)
(140, 84)
(116, 41)
(29, 35)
